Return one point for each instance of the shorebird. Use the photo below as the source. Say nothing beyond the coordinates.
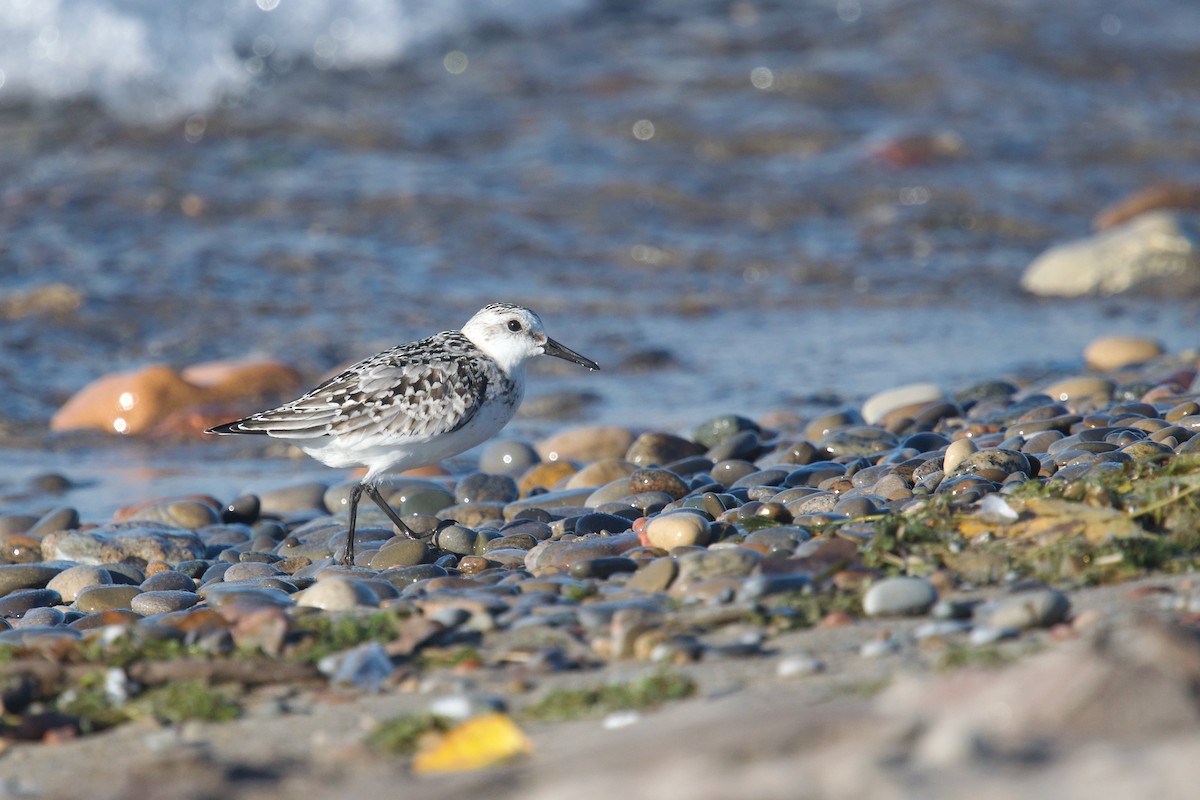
(415, 404)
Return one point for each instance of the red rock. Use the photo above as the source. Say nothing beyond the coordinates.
(1148, 198)
(914, 150)
(139, 400)
(836, 619)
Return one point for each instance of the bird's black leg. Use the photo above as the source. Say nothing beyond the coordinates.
(374, 494)
(355, 496)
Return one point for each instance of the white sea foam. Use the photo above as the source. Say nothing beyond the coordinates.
(161, 59)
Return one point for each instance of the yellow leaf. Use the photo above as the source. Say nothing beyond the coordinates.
(1057, 519)
(478, 743)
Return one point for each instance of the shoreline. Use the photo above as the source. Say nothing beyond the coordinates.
(824, 595)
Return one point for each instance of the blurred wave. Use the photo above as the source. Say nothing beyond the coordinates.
(154, 61)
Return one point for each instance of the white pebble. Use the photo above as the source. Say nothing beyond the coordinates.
(798, 666)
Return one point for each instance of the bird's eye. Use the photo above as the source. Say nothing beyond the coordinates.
(514, 325)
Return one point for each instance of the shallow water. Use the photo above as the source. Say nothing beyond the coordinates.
(711, 189)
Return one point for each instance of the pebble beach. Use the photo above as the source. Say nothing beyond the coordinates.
(909, 565)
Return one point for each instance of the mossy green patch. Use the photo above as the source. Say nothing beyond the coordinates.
(187, 700)
(324, 634)
(180, 701)
(402, 735)
(990, 656)
(794, 610)
(448, 657)
(642, 693)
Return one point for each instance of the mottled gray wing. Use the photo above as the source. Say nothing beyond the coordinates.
(403, 392)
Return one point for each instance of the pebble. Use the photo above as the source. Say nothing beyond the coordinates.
(480, 487)
(877, 648)
(506, 457)
(655, 576)
(163, 601)
(599, 473)
(899, 596)
(58, 519)
(1110, 353)
(881, 404)
(799, 665)
(121, 541)
(400, 552)
(187, 514)
(1159, 250)
(586, 444)
(102, 598)
(250, 571)
(337, 594)
(660, 449)
(678, 529)
(17, 604)
(25, 576)
(1033, 608)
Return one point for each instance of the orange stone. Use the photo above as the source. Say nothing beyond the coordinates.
(137, 401)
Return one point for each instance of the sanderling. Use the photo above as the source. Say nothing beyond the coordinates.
(415, 404)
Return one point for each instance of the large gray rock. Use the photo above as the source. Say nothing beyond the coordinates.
(1156, 252)
(137, 542)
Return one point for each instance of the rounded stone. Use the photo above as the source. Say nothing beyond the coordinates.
(860, 440)
(601, 568)
(879, 405)
(187, 514)
(102, 598)
(825, 424)
(481, 487)
(126, 541)
(421, 500)
(956, 452)
(163, 602)
(42, 615)
(599, 473)
(244, 509)
(1033, 608)
(715, 431)
(308, 496)
(400, 551)
(1116, 352)
(506, 457)
(729, 562)
(58, 519)
(337, 594)
(249, 571)
(168, 580)
(993, 463)
(1086, 391)
(546, 475)
(677, 529)
(857, 506)
(475, 515)
(456, 539)
(899, 596)
(811, 475)
(586, 444)
(655, 575)
(406, 576)
(73, 580)
(16, 604)
(657, 480)
(651, 449)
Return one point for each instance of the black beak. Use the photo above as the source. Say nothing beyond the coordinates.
(553, 348)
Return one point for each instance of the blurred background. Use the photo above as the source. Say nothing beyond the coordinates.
(732, 206)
